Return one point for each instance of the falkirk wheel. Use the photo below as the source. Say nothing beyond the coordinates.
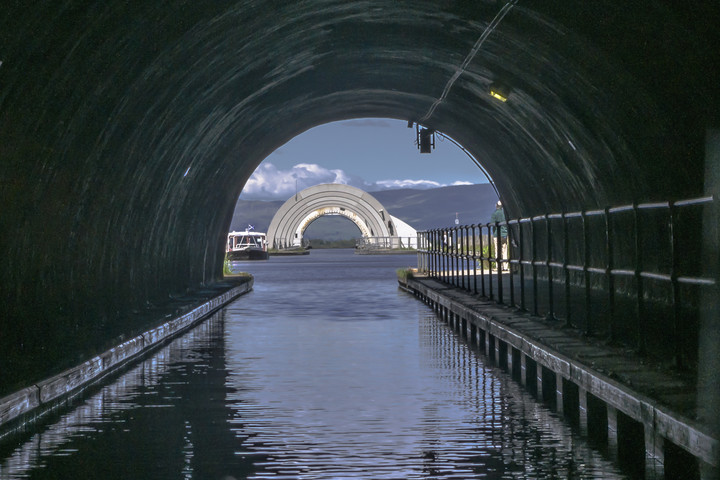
(375, 223)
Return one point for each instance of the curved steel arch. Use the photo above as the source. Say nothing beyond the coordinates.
(294, 216)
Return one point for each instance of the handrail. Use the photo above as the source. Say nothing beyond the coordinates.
(472, 257)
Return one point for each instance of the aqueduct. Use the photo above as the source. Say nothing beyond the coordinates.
(129, 129)
(372, 219)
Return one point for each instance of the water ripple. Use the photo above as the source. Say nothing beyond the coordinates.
(299, 380)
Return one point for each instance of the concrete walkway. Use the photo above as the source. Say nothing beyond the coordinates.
(42, 397)
(662, 401)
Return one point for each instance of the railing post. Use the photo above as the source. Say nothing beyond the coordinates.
(436, 256)
(586, 272)
(435, 244)
(419, 254)
(498, 263)
(448, 235)
(521, 259)
(640, 291)
(566, 270)
(461, 256)
(426, 249)
(482, 261)
(533, 246)
(461, 274)
(446, 248)
(491, 260)
(466, 263)
(420, 259)
(474, 259)
(456, 242)
(425, 244)
(677, 327)
(458, 256)
(448, 255)
(609, 252)
(551, 299)
(428, 252)
(438, 251)
(511, 277)
(470, 235)
(454, 236)
(448, 270)
(438, 259)
(431, 253)
(452, 272)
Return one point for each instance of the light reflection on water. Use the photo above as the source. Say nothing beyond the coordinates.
(326, 370)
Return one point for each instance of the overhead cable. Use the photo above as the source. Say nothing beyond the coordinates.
(469, 58)
(474, 160)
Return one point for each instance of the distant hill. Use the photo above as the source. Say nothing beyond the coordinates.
(421, 209)
(436, 207)
(257, 213)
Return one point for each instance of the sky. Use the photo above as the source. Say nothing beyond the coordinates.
(372, 154)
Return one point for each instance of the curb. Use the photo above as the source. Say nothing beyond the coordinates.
(30, 403)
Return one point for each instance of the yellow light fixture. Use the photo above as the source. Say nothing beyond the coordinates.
(498, 95)
(500, 92)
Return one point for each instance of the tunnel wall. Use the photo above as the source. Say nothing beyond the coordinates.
(129, 129)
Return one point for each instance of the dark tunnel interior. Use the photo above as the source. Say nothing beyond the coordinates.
(128, 129)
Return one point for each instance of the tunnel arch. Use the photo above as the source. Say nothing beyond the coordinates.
(129, 129)
(293, 217)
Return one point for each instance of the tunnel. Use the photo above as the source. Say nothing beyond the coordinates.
(128, 129)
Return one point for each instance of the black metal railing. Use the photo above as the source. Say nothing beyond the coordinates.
(386, 243)
(632, 273)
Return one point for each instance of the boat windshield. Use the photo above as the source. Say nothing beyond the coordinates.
(245, 240)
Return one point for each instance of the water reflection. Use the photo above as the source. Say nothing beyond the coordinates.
(164, 418)
(318, 373)
(512, 436)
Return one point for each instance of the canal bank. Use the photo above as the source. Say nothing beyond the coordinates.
(325, 370)
(642, 416)
(40, 398)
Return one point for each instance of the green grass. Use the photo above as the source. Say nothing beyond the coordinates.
(229, 272)
(406, 273)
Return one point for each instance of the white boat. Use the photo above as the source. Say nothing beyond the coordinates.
(247, 245)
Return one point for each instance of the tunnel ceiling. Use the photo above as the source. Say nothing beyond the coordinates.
(129, 128)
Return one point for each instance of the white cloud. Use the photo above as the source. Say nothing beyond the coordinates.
(394, 184)
(270, 183)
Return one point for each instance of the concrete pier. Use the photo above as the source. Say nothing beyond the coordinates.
(615, 399)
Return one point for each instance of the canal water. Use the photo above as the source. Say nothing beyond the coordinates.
(326, 370)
